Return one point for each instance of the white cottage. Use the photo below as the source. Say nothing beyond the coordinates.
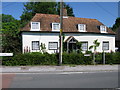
(45, 29)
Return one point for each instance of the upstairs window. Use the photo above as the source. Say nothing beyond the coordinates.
(35, 26)
(82, 27)
(56, 26)
(103, 28)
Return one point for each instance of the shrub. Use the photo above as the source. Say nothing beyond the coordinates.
(99, 58)
(74, 58)
(30, 59)
(52, 59)
(110, 58)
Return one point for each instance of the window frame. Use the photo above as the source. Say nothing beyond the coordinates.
(49, 46)
(55, 29)
(103, 45)
(38, 45)
(33, 26)
(103, 28)
(87, 45)
(84, 27)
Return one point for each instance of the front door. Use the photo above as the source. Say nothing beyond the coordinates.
(72, 47)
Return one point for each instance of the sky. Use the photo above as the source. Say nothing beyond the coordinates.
(105, 12)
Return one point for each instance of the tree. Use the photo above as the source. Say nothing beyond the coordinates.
(7, 18)
(31, 8)
(69, 9)
(116, 25)
(10, 35)
(96, 44)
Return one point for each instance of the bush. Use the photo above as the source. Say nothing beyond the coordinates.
(110, 58)
(99, 58)
(37, 58)
(113, 58)
(74, 58)
(30, 59)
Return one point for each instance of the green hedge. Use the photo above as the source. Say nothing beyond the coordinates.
(74, 58)
(30, 59)
(110, 58)
(52, 59)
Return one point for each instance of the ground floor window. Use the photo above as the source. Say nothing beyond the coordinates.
(35, 45)
(105, 45)
(53, 45)
(84, 46)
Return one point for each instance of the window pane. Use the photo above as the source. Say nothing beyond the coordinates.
(56, 26)
(84, 46)
(35, 45)
(105, 45)
(103, 28)
(35, 25)
(81, 27)
(53, 45)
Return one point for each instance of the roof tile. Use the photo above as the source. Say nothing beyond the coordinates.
(69, 24)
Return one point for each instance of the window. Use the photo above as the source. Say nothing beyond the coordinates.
(35, 26)
(56, 26)
(84, 46)
(106, 45)
(35, 45)
(82, 27)
(53, 45)
(103, 28)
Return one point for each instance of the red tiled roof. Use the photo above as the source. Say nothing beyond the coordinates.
(69, 24)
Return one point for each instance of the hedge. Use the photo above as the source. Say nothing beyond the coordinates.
(30, 59)
(110, 58)
(37, 58)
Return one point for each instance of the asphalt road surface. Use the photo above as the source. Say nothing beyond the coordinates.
(65, 80)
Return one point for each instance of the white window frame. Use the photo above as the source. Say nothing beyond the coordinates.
(103, 29)
(104, 47)
(38, 47)
(32, 29)
(55, 29)
(52, 47)
(84, 27)
(84, 46)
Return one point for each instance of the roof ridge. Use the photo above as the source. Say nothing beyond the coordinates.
(83, 18)
(46, 14)
(68, 16)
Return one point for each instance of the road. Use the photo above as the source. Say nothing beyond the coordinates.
(65, 80)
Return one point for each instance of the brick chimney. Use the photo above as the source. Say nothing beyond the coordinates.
(64, 12)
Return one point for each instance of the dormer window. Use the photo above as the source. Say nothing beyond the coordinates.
(82, 27)
(103, 29)
(55, 26)
(35, 26)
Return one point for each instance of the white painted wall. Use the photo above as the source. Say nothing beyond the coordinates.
(91, 37)
(28, 37)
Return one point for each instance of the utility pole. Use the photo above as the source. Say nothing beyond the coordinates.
(60, 36)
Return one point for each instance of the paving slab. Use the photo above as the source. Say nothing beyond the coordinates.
(77, 68)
